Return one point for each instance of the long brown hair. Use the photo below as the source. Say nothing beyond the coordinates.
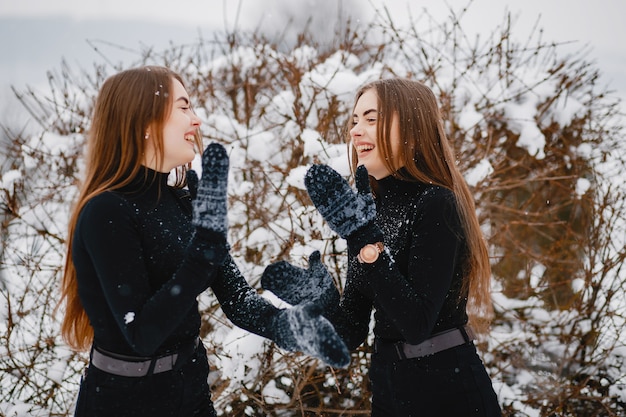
(428, 157)
(128, 105)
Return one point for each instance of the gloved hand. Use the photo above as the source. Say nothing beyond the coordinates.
(192, 183)
(209, 205)
(296, 285)
(350, 214)
(301, 328)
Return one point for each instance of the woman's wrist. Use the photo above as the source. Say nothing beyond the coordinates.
(367, 235)
(208, 246)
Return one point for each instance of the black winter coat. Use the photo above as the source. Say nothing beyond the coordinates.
(415, 288)
(135, 281)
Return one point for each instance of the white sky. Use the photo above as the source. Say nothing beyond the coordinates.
(597, 21)
(597, 24)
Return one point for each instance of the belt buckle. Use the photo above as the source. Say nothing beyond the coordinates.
(164, 364)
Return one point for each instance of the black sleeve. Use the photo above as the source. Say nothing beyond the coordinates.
(241, 303)
(351, 318)
(111, 238)
(413, 302)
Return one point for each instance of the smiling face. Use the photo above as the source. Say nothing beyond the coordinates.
(365, 140)
(179, 132)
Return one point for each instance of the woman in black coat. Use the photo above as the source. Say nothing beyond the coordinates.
(140, 251)
(416, 255)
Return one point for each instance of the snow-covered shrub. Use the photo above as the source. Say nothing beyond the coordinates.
(533, 130)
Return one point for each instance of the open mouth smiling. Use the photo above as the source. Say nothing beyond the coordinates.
(364, 148)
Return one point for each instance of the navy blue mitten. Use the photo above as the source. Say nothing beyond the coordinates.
(209, 206)
(350, 214)
(192, 183)
(296, 285)
(302, 328)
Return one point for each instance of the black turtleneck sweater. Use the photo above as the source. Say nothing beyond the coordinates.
(416, 291)
(135, 280)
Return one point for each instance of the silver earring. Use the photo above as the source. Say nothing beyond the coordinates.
(147, 136)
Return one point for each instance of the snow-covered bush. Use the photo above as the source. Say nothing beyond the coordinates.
(534, 133)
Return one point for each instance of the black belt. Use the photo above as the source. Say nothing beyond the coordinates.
(138, 366)
(435, 344)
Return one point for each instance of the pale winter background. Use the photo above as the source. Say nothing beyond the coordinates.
(36, 34)
(551, 134)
